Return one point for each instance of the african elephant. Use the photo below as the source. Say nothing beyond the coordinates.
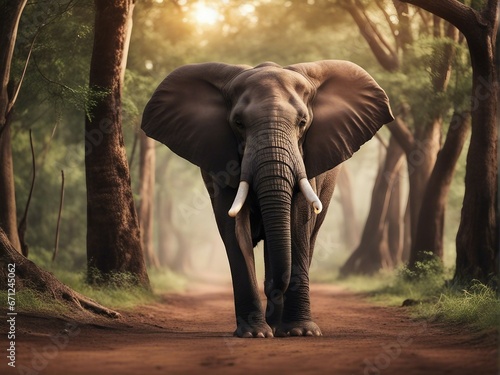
(268, 140)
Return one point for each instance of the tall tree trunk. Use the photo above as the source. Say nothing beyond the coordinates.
(164, 214)
(351, 227)
(146, 193)
(421, 160)
(113, 235)
(395, 225)
(164, 222)
(430, 228)
(405, 256)
(182, 262)
(11, 15)
(372, 253)
(477, 250)
(477, 239)
(8, 216)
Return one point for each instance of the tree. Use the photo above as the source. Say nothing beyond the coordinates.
(422, 145)
(146, 193)
(430, 226)
(12, 11)
(14, 267)
(373, 252)
(113, 235)
(477, 246)
(351, 228)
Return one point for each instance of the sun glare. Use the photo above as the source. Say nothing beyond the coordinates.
(206, 15)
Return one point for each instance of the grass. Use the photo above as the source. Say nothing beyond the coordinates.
(478, 306)
(119, 294)
(29, 300)
(432, 297)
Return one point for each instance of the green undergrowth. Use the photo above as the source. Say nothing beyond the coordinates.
(119, 293)
(30, 300)
(429, 295)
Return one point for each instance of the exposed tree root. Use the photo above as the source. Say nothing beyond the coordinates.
(29, 275)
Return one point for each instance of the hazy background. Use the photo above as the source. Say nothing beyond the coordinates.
(168, 34)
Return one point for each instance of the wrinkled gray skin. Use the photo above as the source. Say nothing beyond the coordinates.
(269, 126)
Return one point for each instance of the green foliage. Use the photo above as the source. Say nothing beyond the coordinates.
(120, 290)
(30, 300)
(477, 305)
(428, 268)
(417, 288)
(432, 297)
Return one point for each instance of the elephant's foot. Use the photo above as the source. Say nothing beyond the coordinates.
(260, 330)
(300, 328)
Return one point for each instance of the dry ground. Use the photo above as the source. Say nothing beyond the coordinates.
(190, 333)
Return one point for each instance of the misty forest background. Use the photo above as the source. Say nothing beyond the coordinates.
(398, 202)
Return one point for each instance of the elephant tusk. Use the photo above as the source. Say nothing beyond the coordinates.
(239, 201)
(310, 195)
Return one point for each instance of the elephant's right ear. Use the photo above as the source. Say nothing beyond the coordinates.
(189, 114)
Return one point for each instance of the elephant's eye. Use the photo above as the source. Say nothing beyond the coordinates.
(238, 122)
(302, 121)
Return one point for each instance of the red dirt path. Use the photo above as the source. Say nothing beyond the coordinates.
(190, 333)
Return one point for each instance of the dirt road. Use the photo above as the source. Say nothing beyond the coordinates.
(190, 333)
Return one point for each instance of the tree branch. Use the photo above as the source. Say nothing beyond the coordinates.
(402, 134)
(387, 17)
(23, 223)
(61, 202)
(461, 16)
(384, 54)
(19, 84)
(381, 140)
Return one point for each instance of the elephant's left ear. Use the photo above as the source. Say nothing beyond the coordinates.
(348, 109)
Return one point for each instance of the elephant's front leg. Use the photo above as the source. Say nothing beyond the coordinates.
(296, 318)
(250, 321)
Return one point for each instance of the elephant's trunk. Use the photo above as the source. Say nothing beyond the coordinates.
(273, 166)
(274, 185)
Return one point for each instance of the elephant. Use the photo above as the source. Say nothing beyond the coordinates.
(269, 141)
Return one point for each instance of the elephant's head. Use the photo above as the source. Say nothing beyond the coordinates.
(267, 128)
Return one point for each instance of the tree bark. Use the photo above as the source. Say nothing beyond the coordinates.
(421, 161)
(8, 215)
(372, 253)
(164, 215)
(11, 15)
(113, 235)
(395, 225)
(430, 227)
(405, 257)
(477, 250)
(147, 193)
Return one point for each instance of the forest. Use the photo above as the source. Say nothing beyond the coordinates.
(105, 231)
